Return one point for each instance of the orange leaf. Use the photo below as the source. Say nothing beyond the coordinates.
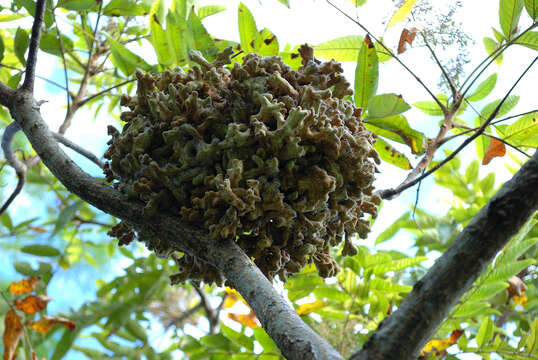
(44, 324)
(249, 320)
(495, 148)
(32, 304)
(23, 286)
(308, 308)
(406, 37)
(12, 334)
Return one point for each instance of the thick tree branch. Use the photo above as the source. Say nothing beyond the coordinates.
(33, 48)
(290, 333)
(403, 334)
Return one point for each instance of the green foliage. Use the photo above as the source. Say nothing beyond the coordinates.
(366, 74)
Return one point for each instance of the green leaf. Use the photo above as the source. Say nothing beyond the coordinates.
(529, 39)
(65, 343)
(487, 183)
(503, 273)
(14, 81)
(209, 10)
(21, 44)
(124, 8)
(470, 309)
(125, 59)
(24, 268)
(41, 250)
(382, 53)
(498, 35)
(162, 43)
(491, 47)
(285, 3)
(488, 290)
(509, 104)
(65, 216)
(485, 332)
(202, 40)
(188, 344)
(265, 341)
(396, 265)
(5, 219)
(391, 155)
(237, 337)
(484, 88)
(387, 286)
(50, 43)
(532, 8)
(331, 293)
(389, 232)
(518, 249)
(430, 107)
(509, 13)
(247, 28)
(217, 341)
(523, 132)
(79, 5)
(385, 105)
(366, 74)
(2, 48)
(398, 125)
(266, 43)
(345, 48)
(134, 328)
(11, 17)
(376, 259)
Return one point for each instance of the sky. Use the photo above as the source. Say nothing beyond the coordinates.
(314, 22)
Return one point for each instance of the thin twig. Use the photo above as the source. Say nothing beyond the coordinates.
(441, 105)
(91, 97)
(37, 76)
(33, 48)
(389, 193)
(62, 139)
(211, 315)
(92, 222)
(491, 57)
(62, 51)
(19, 166)
(443, 70)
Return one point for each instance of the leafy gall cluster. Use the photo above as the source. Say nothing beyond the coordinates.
(271, 157)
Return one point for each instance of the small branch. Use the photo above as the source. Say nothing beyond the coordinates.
(389, 193)
(100, 93)
(211, 314)
(64, 63)
(87, 154)
(19, 166)
(441, 105)
(37, 76)
(451, 84)
(33, 48)
(92, 222)
(491, 57)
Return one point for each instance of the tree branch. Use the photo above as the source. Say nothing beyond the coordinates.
(390, 193)
(290, 333)
(403, 334)
(33, 48)
(62, 139)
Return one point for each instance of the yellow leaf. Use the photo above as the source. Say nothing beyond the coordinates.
(45, 324)
(401, 13)
(439, 346)
(249, 320)
(521, 300)
(232, 296)
(308, 308)
(12, 334)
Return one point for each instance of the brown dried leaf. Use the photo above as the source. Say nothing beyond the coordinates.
(23, 286)
(44, 324)
(496, 148)
(32, 304)
(12, 334)
(407, 37)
